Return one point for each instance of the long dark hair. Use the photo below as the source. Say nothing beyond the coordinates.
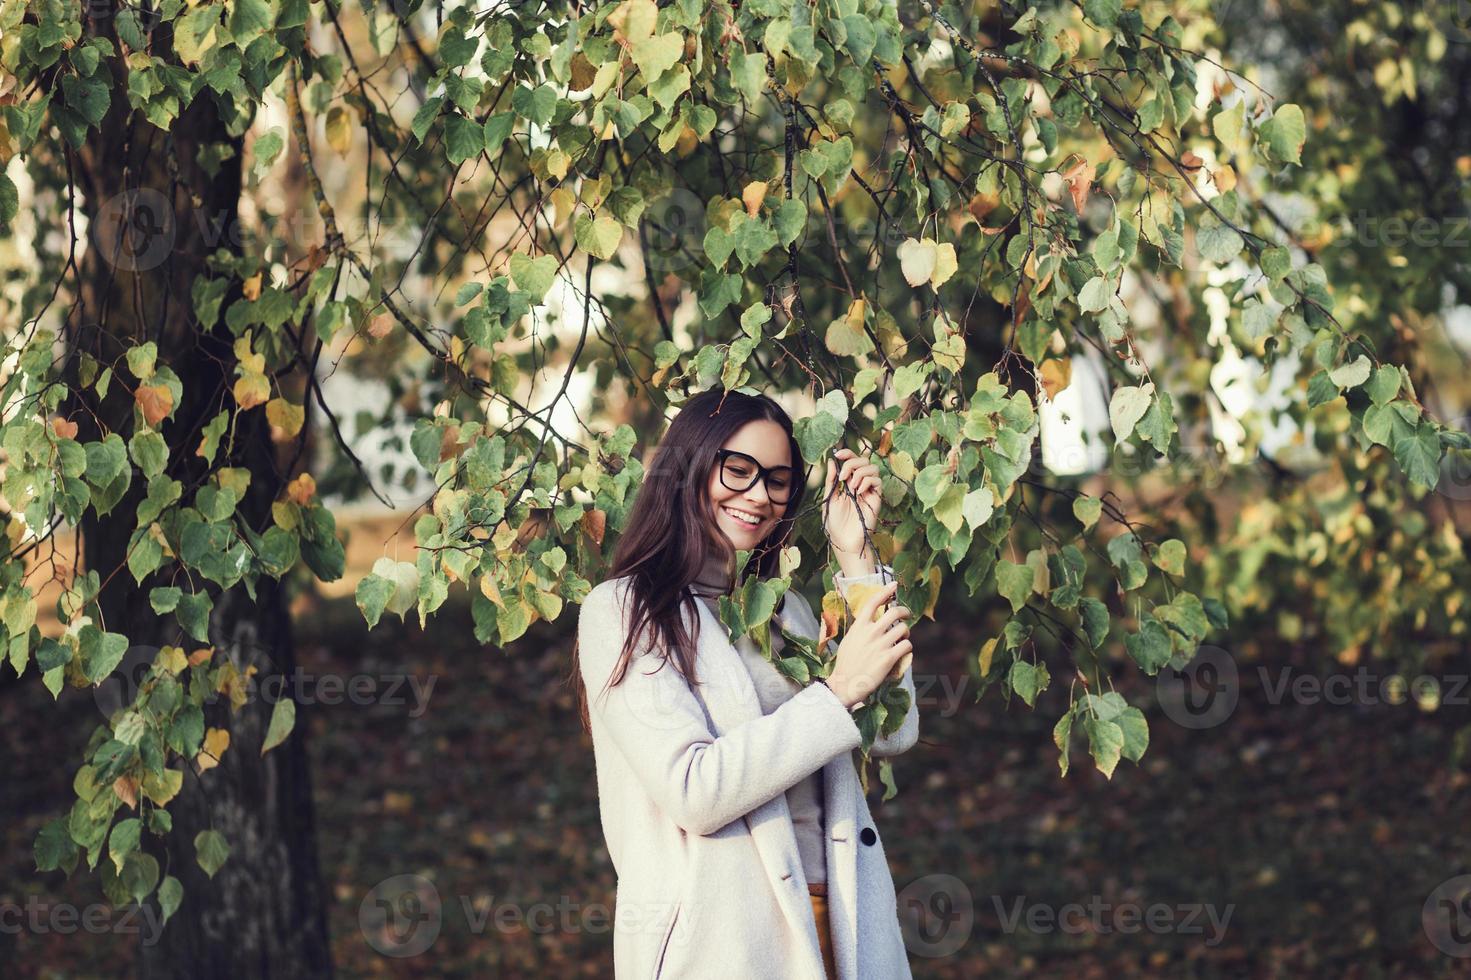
(671, 529)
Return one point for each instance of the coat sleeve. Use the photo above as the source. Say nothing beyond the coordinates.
(907, 734)
(653, 719)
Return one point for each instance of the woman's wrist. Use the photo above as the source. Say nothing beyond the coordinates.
(854, 565)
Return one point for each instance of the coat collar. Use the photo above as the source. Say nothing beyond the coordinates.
(729, 696)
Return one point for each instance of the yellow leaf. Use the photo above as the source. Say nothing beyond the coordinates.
(945, 264)
(1057, 374)
(216, 741)
(302, 489)
(285, 416)
(250, 289)
(340, 127)
(284, 515)
(252, 390)
(491, 591)
(753, 195)
(162, 789)
(634, 19)
(173, 659)
(988, 650)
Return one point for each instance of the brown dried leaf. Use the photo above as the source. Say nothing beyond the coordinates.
(156, 401)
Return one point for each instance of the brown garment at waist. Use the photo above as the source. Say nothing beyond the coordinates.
(817, 888)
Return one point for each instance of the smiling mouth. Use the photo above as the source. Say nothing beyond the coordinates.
(748, 519)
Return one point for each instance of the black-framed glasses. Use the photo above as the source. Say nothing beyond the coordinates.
(740, 472)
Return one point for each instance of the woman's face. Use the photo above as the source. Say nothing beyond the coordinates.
(733, 509)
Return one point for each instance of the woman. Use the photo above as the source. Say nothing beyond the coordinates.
(730, 804)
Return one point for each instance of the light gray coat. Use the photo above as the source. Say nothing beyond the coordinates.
(694, 812)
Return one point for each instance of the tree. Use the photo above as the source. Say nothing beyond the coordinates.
(921, 217)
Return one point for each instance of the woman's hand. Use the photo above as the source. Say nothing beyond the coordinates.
(871, 648)
(844, 519)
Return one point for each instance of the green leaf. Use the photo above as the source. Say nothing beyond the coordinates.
(535, 105)
(1150, 647)
(1170, 556)
(1136, 733)
(1014, 582)
(283, 720)
(790, 217)
(1061, 733)
(978, 507)
(498, 129)
(88, 96)
(1352, 374)
(193, 614)
(1095, 295)
(463, 139)
(1028, 680)
(1285, 133)
(598, 236)
(1104, 13)
(1127, 407)
(534, 276)
(9, 201)
(140, 875)
(249, 19)
(1086, 510)
(1276, 262)
(1095, 620)
(655, 55)
(1384, 385)
(748, 73)
(1186, 616)
(1418, 454)
(266, 148)
(101, 652)
(1217, 242)
(212, 850)
(425, 116)
(54, 847)
(124, 841)
(1105, 743)
(170, 894)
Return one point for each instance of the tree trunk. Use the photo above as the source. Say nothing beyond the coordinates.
(155, 213)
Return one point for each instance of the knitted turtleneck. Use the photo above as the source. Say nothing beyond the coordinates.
(713, 579)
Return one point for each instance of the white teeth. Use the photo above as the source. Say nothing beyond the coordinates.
(743, 517)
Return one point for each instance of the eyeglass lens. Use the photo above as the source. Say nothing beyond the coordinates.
(740, 474)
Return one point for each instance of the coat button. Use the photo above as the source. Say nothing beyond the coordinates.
(868, 836)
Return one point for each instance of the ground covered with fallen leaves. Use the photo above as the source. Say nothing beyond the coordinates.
(1319, 829)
